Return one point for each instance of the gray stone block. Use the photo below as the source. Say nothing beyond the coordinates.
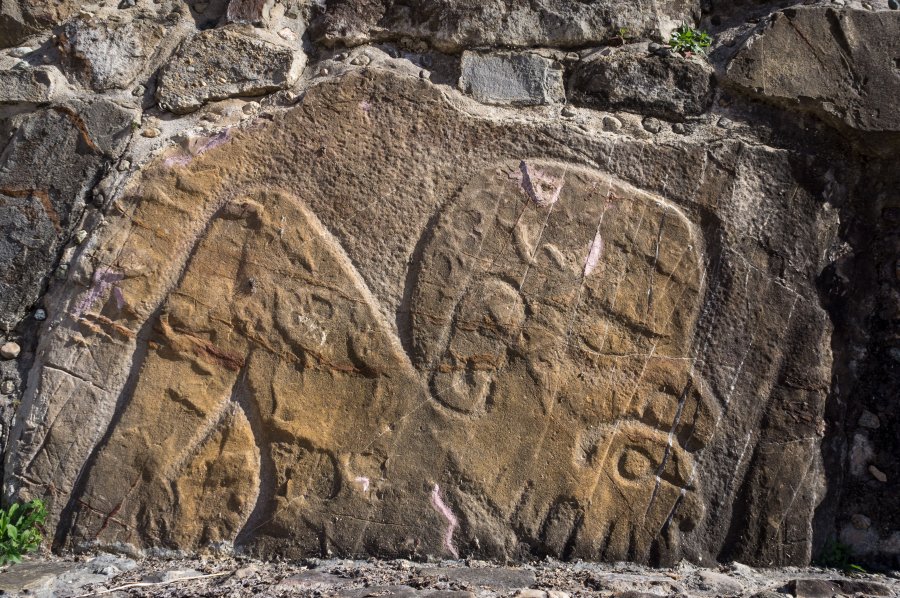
(520, 79)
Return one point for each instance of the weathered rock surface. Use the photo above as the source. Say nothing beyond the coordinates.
(285, 344)
(104, 54)
(20, 19)
(224, 63)
(216, 576)
(450, 25)
(423, 300)
(666, 84)
(41, 206)
(513, 78)
(837, 63)
(247, 11)
(31, 85)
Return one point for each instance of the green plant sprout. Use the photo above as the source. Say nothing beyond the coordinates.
(835, 554)
(20, 530)
(686, 40)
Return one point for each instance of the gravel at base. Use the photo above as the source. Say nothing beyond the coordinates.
(239, 577)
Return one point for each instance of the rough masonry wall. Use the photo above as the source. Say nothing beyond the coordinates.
(495, 281)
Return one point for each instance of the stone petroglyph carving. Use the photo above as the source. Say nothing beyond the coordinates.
(242, 416)
(287, 334)
(286, 412)
(551, 326)
(571, 368)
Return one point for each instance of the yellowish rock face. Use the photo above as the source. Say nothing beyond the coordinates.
(379, 324)
(548, 383)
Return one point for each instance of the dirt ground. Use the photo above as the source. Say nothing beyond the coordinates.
(111, 575)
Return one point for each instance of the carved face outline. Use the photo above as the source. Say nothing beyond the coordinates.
(572, 305)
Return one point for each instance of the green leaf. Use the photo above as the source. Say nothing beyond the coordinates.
(19, 530)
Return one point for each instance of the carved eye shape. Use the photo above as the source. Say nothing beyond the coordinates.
(635, 464)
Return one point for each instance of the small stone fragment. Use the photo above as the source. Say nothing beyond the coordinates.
(567, 111)
(245, 572)
(151, 132)
(40, 315)
(10, 350)
(7, 387)
(869, 420)
(719, 583)
(360, 60)
(170, 576)
(519, 79)
(245, 11)
(311, 581)
(877, 474)
(860, 521)
(725, 123)
(683, 128)
(612, 124)
(861, 453)
(652, 125)
(80, 236)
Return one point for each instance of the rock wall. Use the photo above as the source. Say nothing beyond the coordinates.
(502, 280)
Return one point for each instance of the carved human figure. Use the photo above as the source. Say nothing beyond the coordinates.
(261, 407)
(555, 314)
(549, 399)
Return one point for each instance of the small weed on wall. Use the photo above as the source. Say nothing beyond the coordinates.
(686, 40)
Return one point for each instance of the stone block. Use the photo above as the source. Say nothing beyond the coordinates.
(511, 78)
(223, 63)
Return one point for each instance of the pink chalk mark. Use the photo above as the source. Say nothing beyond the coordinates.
(594, 255)
(452, 522)
(119, 297)
(541, 188)
(179, 160)
(103, 280)
(363, 481)
(197, 146)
